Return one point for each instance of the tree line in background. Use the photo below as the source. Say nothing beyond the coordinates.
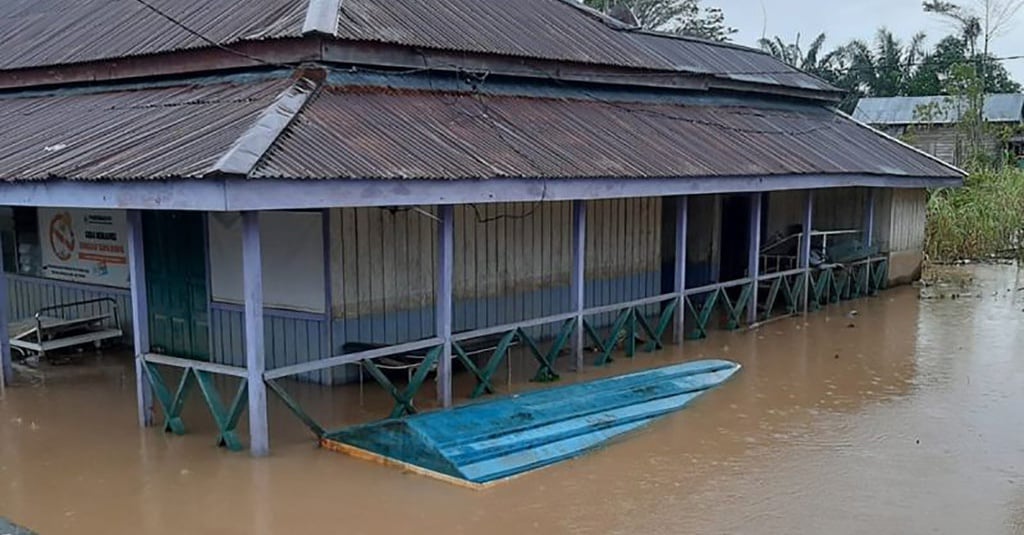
(889, 66)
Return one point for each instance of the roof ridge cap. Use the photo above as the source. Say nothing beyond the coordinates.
(249, 149)
(322, 17)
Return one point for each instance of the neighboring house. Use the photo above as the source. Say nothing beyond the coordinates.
(930, 123)
(339, 181)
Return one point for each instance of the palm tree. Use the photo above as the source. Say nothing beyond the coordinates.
(884, 68)
(811, 61)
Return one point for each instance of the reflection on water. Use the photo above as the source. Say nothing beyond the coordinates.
(904, 418)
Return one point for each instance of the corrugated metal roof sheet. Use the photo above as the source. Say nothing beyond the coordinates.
(55, 32)
(174, 132)
(373, 133)
(1001, 108)
(556, 30)
(745, 64)
(549, 29)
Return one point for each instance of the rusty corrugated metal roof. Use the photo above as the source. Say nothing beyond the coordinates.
(173, 132)
(60, 32)
(550, 29)
(556, 30)
(374, 133)
(56, 32)
(733, 62)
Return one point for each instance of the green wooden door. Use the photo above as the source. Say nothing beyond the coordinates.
(176, 284)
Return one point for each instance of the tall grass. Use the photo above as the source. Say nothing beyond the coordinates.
(984, 219)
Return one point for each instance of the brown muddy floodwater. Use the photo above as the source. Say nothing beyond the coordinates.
(910, 422)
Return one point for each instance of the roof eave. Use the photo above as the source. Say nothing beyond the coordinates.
(234, 194)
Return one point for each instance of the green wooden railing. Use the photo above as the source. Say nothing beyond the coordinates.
(632, 322)
(198, 373)
(635, 323)
(701, 304)
(788, 285)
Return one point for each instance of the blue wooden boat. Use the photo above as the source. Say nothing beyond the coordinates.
(9, 528)
(483, 443)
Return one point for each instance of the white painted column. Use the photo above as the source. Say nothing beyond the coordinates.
(327, 376)
(579, 271)
(6, 369)
(682, 226)
(140, 315)
(869, 218)
(754, 258)
(805, 248)
(255, 350)
(443, 301)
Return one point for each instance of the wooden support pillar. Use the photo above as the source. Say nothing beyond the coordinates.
(805, 248)
(579, 256)
(6, 369)
(869, 218)
(255, 350)
(754, 258)
(443, 301)
(140, 315)
(682, 224)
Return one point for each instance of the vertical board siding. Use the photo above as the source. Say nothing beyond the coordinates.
(289, 338)
(702, 239)
(29, 294)
(785, 209)
(513, 262)
(883, 218)
(839, 209)
(386, 260)
(834, 209)
(623, 261)
(907, 220)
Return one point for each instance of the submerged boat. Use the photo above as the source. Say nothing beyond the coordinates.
(480, 444)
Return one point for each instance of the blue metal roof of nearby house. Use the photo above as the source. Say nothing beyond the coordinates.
(327, 131)
(999, 108)
(46, 33)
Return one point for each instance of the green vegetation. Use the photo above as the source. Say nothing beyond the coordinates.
(888, 66)
(984, 219)
(684, 17)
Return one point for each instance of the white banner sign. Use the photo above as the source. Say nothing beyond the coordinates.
(293, 259)
(86, 246)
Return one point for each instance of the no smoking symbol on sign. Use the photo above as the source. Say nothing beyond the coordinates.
(62, 236)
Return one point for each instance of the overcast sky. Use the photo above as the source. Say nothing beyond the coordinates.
(843, 20)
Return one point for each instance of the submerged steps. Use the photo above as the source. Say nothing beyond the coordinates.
(493, 440)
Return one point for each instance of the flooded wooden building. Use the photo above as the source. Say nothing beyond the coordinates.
(318, 189)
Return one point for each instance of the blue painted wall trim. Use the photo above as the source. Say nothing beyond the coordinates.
(290, 338)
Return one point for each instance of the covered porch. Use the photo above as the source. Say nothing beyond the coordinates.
(312, 227)
(412, 298)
